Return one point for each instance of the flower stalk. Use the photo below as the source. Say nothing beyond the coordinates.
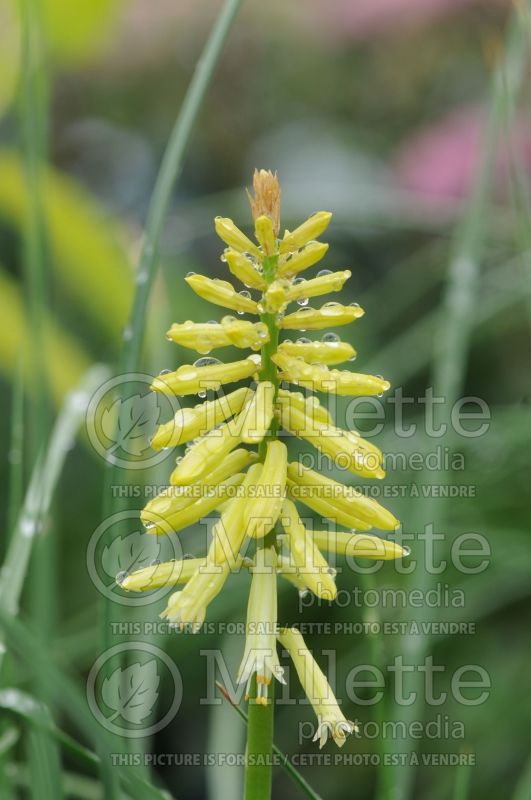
(236, 461)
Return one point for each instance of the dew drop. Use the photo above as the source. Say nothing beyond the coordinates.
(149, 526)
(164, 372)
(190, 274)
(155, 562)
(120, 578)
(202, 394)
(330, 337)
(324, 272)
(245, 293)
(206, 361)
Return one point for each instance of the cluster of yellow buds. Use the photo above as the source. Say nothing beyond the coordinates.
(236, 459)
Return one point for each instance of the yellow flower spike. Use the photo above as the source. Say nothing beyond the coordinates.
(353, 503)
(309, 406)
(358, 545)
(319, 378)
(267, 494)
(346, 449)
(258, 414)
(173, 499)
(253, 489)
(192, 379)
(328, 351)
(221, 293)
(230, 531)
(234, 237)
(311, 229)
(316, 319)
(167, 573)
(330, 720)
(265, 234)
(190, 513)
(306, 556)
(293, 263)
(207, 336)
(260, 655)
(323, 284)
(243, 268)
(189, 423)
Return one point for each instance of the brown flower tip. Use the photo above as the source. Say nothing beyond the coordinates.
(266, 200)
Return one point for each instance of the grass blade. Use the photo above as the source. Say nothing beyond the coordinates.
(40, 491)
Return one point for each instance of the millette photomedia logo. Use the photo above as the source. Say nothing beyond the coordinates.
(139, 695)
(122, 416)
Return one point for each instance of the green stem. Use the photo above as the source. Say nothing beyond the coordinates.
(260, 726)
(259, 751)
(268, 371)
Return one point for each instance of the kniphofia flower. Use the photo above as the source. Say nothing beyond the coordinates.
(237, 460)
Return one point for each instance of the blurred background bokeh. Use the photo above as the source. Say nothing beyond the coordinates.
(410, 121)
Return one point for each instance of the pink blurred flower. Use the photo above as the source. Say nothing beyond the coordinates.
(363, 19)
(440, 161)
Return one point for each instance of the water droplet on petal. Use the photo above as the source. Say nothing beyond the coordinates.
(120, 578)
(330, 337)
(324, 272)
(189, 274)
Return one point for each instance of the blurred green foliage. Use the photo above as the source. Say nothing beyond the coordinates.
(331, 113)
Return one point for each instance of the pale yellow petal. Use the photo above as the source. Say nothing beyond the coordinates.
(316, 319)
(221, 293)
(189, 423)
(234, 237)
(293, 263)
(310, 229)
(192, 379)
(331, 351)
(267, 493)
